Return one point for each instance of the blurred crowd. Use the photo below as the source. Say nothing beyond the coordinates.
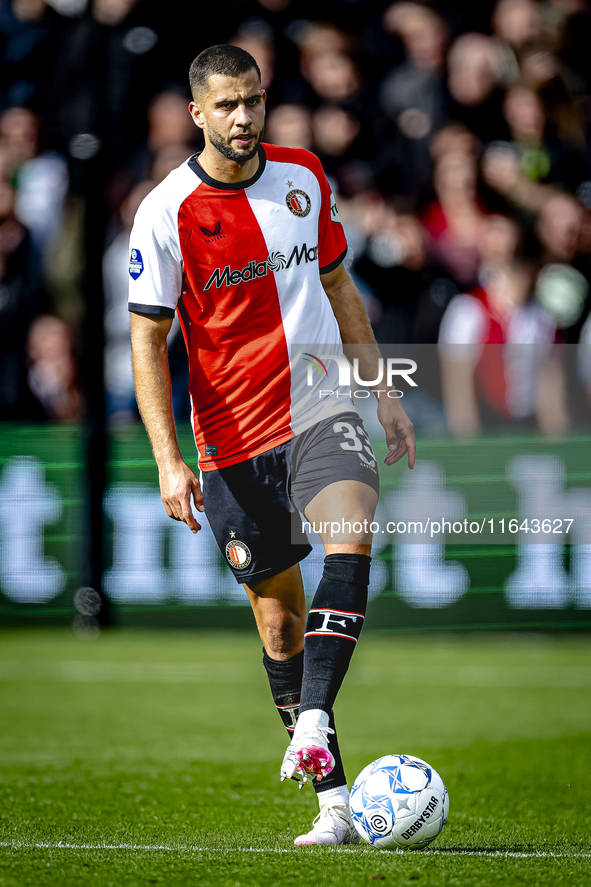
(456, 136)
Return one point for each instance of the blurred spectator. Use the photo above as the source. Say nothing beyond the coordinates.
(539, 67)
(343, 112)
(333, 76)
(473, 84)
(256, 37)
(29, 35)
(501, 171)
(168, 158)
(574, 40)
(19, 131)
(471, 69)
(316, 39)
(452, 220)
(336, 141)
(421, 30)
(558, 227)
(485, 371)
(41, 178)
(562, 286)
(565, 128)
(531, 36)
(170, 130)
(544, 118)
(393, 266)
(42, 186)
(290, 126)
(22, 298)
(112, 61)
(516, 26)
(169, 121)
(327, 67)
(454, 138)
(335, 130)
(516, 22)
(540, 151)
(525, 115)
(412, 98)
(52, 370)
(379, 265)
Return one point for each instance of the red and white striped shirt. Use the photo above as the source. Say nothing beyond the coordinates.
(241, 264)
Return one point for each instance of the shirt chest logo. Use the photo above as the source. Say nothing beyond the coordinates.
(276, 261)
(298, 203)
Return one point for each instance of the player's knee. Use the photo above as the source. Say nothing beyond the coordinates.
(362, 527)
(284, 634)
(354, 528)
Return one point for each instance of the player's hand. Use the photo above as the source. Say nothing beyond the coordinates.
(178, 483)
(399, 431)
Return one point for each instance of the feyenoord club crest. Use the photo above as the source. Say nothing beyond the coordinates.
(298, 203)
(238, 554)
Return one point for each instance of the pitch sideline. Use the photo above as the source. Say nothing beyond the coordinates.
(491, 854)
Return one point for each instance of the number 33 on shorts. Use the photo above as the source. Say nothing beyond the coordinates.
(356, 440)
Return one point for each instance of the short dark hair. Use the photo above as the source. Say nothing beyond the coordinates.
(220, 59)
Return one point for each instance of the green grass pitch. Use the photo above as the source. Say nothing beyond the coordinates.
(152, 758)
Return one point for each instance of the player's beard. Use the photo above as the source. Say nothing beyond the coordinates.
(228, 151)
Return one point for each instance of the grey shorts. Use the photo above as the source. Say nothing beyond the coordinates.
(333, 450)
(253, 507)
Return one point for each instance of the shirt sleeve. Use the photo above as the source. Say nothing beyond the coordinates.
(332, 243)
(155, 263)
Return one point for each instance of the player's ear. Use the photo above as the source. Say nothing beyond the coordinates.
(196, 113)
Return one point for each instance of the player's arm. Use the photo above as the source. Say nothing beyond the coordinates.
(153, 391)
(356, 331)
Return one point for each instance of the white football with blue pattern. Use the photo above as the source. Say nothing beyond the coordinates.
(399, 801)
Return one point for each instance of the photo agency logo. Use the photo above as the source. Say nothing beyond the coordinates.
(388, 371)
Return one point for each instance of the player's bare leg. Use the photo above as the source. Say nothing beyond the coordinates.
(279, 608)
(347, 501)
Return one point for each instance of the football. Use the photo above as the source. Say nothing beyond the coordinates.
(399, 801)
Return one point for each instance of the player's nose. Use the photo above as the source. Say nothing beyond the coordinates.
(242, 116)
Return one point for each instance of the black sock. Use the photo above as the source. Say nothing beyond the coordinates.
(285, 680)
(333, 627)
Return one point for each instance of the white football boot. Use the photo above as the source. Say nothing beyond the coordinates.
(307, 756)
(333, 825)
